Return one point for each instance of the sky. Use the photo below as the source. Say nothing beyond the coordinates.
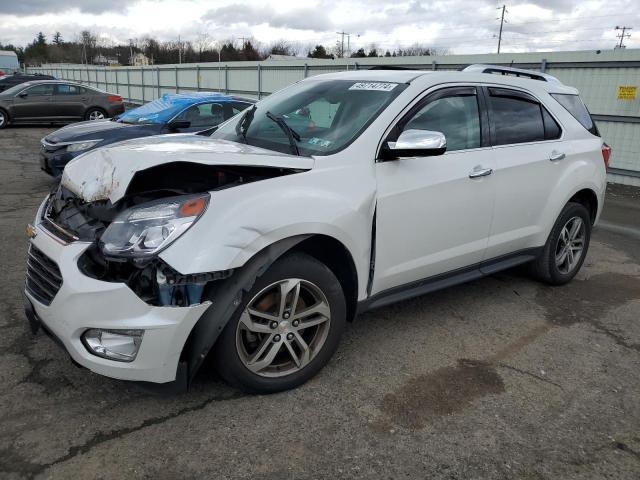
(458, 26)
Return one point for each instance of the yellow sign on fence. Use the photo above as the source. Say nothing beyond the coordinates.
(627, 92)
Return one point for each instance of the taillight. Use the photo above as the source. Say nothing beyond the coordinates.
(606, 153)
(114, 98)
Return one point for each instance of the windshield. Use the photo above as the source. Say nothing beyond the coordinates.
(16, 88)
(323, 117)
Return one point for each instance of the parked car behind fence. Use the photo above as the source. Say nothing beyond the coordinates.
(48, 101)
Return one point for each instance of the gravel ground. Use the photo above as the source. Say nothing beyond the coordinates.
(498, 378)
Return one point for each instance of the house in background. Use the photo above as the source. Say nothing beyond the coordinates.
(140, 60)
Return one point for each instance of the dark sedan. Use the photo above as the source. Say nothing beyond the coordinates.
(56, 101)
(172, 113)
(9, 81)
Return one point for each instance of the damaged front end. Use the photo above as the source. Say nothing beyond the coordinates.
(159, 205)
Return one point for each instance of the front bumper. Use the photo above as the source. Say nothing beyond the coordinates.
(53, 161)
(83, 302)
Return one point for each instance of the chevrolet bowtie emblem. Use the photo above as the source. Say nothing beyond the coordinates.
(31, 231)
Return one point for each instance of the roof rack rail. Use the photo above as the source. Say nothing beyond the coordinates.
(389, 67)
(517, 72)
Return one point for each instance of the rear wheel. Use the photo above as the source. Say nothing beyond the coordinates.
(566, 247)
(286, 329)
(95, 114)
(4, 119)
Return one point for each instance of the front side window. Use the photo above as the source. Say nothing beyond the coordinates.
(518, 117)
(323, 116)
(46, 89)
(456, 116)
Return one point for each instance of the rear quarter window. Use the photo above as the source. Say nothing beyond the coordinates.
(574, 105)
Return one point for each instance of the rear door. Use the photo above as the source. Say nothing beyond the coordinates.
(70, 100)
(34, 103)
(529, 158)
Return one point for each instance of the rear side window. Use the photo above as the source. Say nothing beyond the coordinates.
(66, 89)
(574, 105)
(517, 117)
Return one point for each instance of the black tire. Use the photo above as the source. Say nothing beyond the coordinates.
(93, 110)
(4, 119)
(291, 266)
(544, 268)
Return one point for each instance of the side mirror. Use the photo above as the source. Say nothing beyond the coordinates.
(23, 94)
(178, 124)
(416, 143)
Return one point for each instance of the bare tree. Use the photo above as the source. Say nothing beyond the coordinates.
(201, 44)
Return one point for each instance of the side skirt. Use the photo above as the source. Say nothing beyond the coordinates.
(448, 279)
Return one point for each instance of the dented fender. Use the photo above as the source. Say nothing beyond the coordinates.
(242, 221)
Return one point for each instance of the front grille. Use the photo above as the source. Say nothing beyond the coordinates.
(69, 219)
(43, 276)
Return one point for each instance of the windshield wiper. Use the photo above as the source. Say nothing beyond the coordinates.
(243, 125)
(292, 135)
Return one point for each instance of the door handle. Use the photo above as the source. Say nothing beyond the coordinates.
(556, 156)
(480, 172)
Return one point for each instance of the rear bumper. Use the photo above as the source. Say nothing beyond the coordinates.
(115, 109)
(83, 302)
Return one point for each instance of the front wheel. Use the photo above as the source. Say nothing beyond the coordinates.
(4, 119)
(285, 330)
(566, 247)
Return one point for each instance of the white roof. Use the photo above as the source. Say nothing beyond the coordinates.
(8, 53)
(443, 76)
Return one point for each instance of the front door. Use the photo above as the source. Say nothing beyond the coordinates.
(434, 213)
(34, 103)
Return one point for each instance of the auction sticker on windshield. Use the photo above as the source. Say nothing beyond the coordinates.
(378, 86)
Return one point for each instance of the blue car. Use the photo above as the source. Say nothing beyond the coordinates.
(194, 112)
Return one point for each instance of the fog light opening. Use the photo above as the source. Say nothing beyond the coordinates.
(118, 345)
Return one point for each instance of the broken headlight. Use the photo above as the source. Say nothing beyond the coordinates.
(147, 229)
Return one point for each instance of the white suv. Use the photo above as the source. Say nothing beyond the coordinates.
(339, 194)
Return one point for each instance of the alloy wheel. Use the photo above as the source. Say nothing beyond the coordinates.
(3, 119)
(96, 115)
(283, 328)
(570, 246)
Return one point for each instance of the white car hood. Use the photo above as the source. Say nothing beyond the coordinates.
(105, 173)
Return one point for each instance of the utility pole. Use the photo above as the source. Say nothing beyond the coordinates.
(349, 41)
(622, 36)
(342, 34)
(244, 39)
(502, 20)
(179, 50)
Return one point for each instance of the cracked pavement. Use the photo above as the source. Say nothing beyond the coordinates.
(499, 378)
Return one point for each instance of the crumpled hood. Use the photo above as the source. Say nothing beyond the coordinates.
(105, 173)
